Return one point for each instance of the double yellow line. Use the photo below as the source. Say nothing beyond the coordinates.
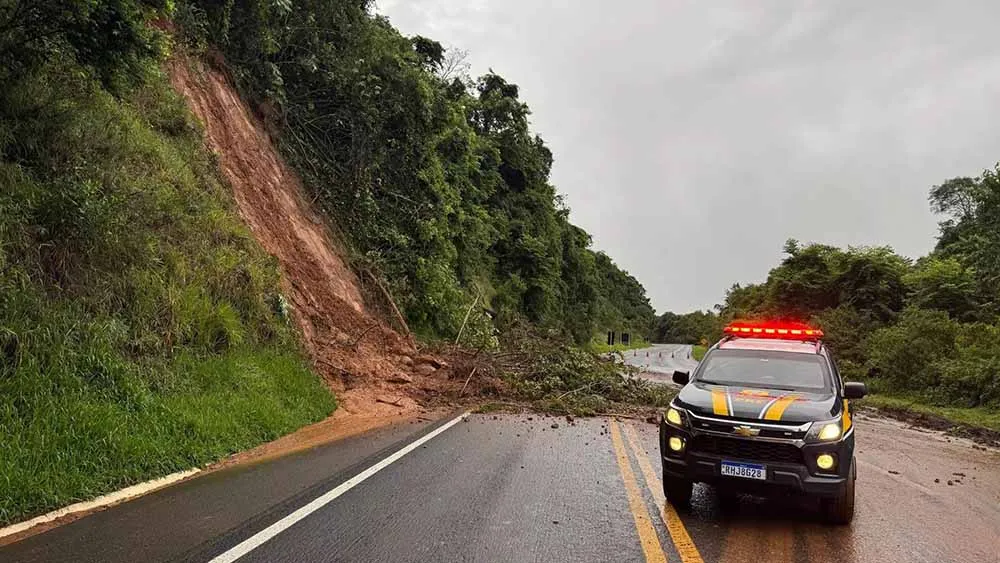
(648, 538)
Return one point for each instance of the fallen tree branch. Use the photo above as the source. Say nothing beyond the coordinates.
(588, 386)
(466, 319)
(467, 379)
(392, 303)
(363, 333)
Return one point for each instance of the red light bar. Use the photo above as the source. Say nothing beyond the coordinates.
(791, 331)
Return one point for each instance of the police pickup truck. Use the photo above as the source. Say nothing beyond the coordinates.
(764, 412)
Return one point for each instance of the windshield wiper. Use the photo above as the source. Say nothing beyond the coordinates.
(748, 384)
(710, 382)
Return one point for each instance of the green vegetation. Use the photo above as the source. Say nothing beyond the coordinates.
(555, 376)
(435, 178)
(80, 444)
(140, 326)
(971, 417)
(698, 352)
(697, 327)
(923, 332)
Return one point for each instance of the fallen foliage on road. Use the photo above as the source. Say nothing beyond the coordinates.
(547, 372)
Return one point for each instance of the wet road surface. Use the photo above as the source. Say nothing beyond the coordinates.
(659, 361)
(516, 488)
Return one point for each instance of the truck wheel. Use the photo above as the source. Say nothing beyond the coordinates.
(840, 510)
(677, 491)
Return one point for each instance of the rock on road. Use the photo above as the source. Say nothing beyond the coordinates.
(531, 488)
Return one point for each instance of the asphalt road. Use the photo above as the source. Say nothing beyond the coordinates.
(516, 488)
(659, 361)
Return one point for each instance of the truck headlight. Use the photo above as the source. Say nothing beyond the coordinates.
(828, 431)
(674, 417)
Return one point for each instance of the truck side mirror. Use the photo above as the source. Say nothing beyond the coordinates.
(855, 390)
(681, 377)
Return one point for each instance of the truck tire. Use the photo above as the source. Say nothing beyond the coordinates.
(840, 509)
(677, 491)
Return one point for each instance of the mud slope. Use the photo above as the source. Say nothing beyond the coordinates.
(368, 363)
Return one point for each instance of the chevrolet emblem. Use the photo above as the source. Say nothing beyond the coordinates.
(746, 431)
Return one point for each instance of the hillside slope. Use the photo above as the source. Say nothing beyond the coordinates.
(139, 332)
(358, 353)
(440, 185)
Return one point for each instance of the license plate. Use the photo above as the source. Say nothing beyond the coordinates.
(744, 470)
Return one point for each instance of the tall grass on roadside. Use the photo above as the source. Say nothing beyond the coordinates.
(62, 445)
(138, 328)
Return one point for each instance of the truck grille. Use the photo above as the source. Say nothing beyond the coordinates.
(773, 431)
(751, 450)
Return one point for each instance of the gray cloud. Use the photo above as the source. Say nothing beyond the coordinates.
(692, 138)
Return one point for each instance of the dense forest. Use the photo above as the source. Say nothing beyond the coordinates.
(926, 328)
(435, 178)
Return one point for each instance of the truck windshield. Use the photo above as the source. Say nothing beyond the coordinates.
(766, 369)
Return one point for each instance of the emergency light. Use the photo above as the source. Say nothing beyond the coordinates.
(791, 331)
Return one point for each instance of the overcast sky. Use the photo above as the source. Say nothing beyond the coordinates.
(692, 138)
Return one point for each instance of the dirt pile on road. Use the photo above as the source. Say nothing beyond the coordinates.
(373, 368)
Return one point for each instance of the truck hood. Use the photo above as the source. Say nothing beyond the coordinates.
(755, 403)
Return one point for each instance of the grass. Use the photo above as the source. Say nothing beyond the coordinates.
(141, 330)
(79, 445)
(698, 352)
(978, 417)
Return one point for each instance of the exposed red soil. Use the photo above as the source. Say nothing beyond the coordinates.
(374, 370)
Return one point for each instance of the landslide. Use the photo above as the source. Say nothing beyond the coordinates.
(372, 368)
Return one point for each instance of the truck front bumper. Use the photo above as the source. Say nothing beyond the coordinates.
(803, 477)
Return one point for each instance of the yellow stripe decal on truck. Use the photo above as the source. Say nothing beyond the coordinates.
(719, 405)
(777, 410)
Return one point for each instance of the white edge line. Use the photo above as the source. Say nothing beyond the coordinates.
(127, 493)
(261, 537)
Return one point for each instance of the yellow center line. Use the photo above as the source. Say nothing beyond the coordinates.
(651, 547)
(675, 527)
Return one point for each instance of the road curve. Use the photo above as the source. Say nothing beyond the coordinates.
(530, 488)
(659, 361)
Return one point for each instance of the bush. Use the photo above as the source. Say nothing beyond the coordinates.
(945, 362)
(846, 331)
(904, 354)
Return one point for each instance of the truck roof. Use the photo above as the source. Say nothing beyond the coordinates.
(772, 344)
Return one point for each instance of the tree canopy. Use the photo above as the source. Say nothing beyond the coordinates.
(436, 178)
(924, 327)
